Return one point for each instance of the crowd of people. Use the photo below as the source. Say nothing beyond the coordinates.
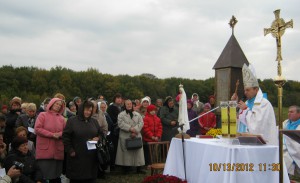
(49, 143)
(46, 143)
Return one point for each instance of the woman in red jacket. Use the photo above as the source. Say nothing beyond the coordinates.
(152, 130)
(207, 121)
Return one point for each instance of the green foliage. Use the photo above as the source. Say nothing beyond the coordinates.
(33, 85)
(285, 111)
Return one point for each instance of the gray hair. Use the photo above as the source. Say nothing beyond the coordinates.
(296, 107)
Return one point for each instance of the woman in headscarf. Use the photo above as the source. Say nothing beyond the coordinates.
(103, 107)
(131, 124)
(100, 117)
(169, 119)
(81, 162)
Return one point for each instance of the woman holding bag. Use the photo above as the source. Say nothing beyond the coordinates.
(82, 162)
(130, 124)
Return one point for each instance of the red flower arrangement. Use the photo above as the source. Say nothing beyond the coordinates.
(159, 178)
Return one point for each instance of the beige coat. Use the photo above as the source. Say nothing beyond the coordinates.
(100, 117)
(131, 157)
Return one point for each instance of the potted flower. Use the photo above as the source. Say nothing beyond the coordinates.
(214, 132)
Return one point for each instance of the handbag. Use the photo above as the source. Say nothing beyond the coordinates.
(104, 148)
(133, 143)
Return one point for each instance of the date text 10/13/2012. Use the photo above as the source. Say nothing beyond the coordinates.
(239, 167)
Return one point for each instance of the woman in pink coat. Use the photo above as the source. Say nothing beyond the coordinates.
(49, 145)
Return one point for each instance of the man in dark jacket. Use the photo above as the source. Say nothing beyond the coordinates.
(113, 110)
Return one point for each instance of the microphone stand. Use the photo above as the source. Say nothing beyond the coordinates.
(183, 141)
(183, 152)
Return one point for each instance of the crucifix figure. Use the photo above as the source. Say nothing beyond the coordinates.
(232, 23)
(277, 30)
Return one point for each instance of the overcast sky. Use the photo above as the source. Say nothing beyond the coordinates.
(168, 38)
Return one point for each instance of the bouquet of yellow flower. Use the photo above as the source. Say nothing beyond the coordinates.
(214, 132)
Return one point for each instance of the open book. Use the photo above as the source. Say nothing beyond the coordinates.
(250, 139)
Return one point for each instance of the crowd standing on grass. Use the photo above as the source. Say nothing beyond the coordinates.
(50, 141)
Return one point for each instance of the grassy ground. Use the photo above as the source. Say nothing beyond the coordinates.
(118, 177)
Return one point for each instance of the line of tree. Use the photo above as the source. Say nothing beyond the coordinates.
(33, 84)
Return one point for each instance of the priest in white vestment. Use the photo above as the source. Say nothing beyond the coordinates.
(257, 112)
(291, 148)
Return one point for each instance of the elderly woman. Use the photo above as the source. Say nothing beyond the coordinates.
(131, 124)
(81, 162)
(100, 117)
(30, 172)
(71, 109)
(49, 145)
(22, 132)
(169, 118)
(28, 119)
(103, 107)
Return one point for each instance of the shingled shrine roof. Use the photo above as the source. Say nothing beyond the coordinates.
(231, 56)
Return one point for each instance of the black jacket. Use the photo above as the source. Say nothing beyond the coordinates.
(31, 172)
(11, 119)
(25, 121)
(75, 136)
(113, 111)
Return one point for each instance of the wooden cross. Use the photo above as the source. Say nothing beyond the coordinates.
(277, 30)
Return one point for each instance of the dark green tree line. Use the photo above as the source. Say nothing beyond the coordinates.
(33, 85)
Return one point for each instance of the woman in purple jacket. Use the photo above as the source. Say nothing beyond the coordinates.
(194, 125)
